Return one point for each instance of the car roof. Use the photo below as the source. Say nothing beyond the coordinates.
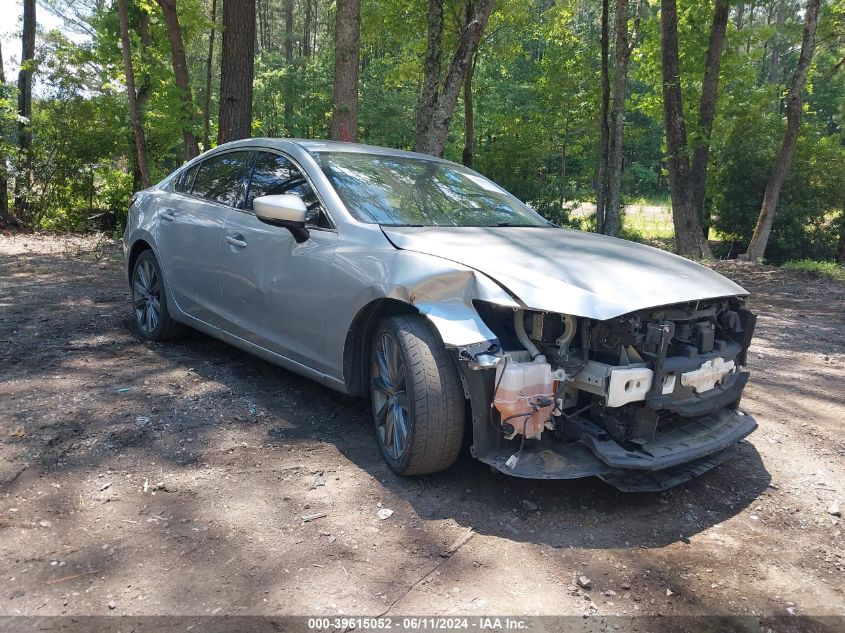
(316, 146)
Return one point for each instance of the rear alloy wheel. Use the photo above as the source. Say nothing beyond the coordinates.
(418, 403)
(150, 316)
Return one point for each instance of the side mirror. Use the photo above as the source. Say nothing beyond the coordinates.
(285, 210)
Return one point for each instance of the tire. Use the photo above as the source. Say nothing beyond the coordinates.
(151, 320)
(425, 386)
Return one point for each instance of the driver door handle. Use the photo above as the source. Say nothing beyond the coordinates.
(236, 240)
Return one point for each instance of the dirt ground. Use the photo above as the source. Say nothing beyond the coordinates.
(183, 478)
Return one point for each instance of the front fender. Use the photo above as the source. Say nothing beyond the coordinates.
(444, 292)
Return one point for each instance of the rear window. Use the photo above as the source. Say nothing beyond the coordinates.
(186, 179)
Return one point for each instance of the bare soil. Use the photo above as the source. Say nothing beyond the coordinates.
(192, 478)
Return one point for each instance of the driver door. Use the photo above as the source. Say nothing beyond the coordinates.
(273, 289)
(190, 227)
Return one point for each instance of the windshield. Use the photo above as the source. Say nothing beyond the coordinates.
(401, 191)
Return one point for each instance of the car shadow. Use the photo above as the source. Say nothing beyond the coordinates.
(558, 513)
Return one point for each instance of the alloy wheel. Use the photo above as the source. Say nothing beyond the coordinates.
(390, 397)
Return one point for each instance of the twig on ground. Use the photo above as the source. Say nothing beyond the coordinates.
(85, 573)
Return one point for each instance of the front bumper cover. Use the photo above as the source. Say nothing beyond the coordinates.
(684, 442)
(688, 449)
(704, 428)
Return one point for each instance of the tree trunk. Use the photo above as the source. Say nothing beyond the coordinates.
(144, 90)
(134, 114)
(6, 219)
(777, 44)
(236, 70)
(306, 30)
(750, 24)
(561, 191)
(760, 238)
(467, 155)
(689, 236)
(261, 27)
(209, 63)
(612, 214)
(346, 56)
(469, 114)
(436, 129)
(707, 109)
(23, 178)
(180, 72)
(740, 14)
(268, 15)
(840, 246)
(601, 175)
(431, 73)
(289, 66)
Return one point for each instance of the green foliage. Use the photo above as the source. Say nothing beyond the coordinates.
(536, 102)
(535, 99)
(77, 174)
(8, 124)
(812, 195)
(831, 270)
(308, 83)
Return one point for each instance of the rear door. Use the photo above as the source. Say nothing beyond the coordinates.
(273, 289)
(190, 231)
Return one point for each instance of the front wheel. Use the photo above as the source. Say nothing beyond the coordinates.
(418, 403)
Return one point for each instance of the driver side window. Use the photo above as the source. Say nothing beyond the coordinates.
(274, 175)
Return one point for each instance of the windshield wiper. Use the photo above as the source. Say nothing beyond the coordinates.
(508, 224)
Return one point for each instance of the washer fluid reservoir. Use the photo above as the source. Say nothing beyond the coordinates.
(525, 390)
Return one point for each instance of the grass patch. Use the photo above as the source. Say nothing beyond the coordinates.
(831, 270)
(648, 225)
(654, 200)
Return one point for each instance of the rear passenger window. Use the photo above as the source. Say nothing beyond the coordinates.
(220, 178)
(186, 179)
(274, 175)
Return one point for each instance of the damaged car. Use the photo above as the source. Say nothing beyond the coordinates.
(458, 310)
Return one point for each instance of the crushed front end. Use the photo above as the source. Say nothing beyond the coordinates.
(645, 401)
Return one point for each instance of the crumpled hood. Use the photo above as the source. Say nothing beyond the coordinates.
(570, 272)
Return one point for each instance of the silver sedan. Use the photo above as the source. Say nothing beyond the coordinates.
(456, 308)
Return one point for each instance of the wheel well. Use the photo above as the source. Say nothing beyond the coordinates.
(137, 248)
(359, 340)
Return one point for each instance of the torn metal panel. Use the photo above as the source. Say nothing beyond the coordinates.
(457, 323)
(443, 291)
(446, 299)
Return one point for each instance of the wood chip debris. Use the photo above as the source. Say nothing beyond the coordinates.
(454, 547)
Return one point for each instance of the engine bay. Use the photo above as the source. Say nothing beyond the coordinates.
(626, 379)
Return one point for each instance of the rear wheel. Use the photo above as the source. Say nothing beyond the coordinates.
(151, 319)
(418, 403)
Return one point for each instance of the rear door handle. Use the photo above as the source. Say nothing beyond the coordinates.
(167, 215)
(237, 241)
